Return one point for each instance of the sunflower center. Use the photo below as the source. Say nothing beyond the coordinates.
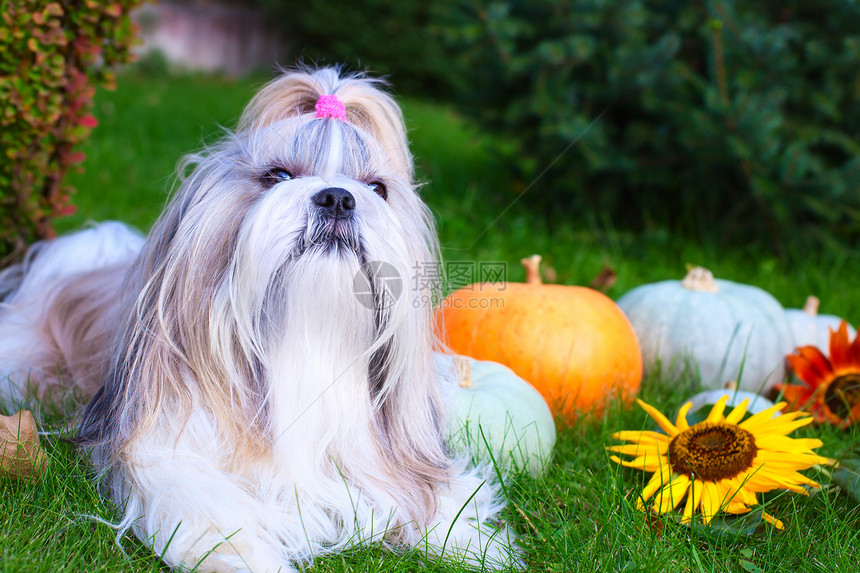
(843, 393)
(712, 451)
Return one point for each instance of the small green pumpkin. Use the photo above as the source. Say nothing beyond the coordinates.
(725, 330)
(494, 407)
(810, 328)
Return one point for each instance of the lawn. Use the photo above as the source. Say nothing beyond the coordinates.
(580, 515)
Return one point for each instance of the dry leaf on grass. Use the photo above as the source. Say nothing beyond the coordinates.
(21, 456)
(604, 279)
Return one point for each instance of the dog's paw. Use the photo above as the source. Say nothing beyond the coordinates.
(479, 548)
(496, 554)
(238, 553)
(247, 561)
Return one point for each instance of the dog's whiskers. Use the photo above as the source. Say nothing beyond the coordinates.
(336, 235)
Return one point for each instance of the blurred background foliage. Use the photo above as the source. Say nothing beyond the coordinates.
(399, 39)
(52, 55)
(730, 123)
(725, 121)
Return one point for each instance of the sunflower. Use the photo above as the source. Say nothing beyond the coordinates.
(720, 463)
(832, 389)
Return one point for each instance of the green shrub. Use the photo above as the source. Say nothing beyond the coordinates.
(388, 37)
(52, 53)
(734, 120)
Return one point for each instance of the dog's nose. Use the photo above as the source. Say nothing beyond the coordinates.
(335, 202)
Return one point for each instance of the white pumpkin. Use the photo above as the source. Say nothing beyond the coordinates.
(715, 326)
(808, 328)
(494, 407)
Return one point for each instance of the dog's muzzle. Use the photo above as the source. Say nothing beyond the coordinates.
(332, 223)
(335, 203)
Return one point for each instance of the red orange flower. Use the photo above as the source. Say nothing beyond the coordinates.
(832, 385)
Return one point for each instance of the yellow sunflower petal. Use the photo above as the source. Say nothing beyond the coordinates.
(783, 427)
(661, 420)
(639, 435)
(716, 414)
(657, 481)
(647, 464)
(681, 421)
(738, 493)
(766, 480)
(809, 443)
(786, 462)
(640, 449)
(762, 481)
(772, 520)
(756, 420)
(711, 501)
(671, 494)
(694, 499)
(779, 443)
(796, 480)
(737, 414)
(736, 508)
(782, 473)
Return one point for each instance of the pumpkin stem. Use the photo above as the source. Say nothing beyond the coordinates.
(532, 266)
(811, 305)
(464, 371)
(700, 279)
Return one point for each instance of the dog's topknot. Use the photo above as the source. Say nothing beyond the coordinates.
(294, 94)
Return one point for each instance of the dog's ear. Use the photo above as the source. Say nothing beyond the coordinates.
(368, 106)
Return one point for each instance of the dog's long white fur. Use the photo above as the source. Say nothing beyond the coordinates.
(249, 412)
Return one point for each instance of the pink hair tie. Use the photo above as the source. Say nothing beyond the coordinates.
(330, 106)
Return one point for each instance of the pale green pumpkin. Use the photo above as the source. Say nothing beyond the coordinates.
(808, 328)
(497, 417)
(724, 330)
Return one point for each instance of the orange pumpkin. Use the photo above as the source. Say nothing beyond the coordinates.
(573, 344)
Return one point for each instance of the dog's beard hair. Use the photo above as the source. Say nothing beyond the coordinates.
(347, 356)
(245, 364)
(329, 236)
(333, 373)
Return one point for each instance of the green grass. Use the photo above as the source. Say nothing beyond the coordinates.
(580, 515)
(145, 127)
(45, 526)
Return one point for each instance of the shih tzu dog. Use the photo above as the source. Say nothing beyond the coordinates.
(246, 409)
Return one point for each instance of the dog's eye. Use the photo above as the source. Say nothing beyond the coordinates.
(276, 175)
(379, 188)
